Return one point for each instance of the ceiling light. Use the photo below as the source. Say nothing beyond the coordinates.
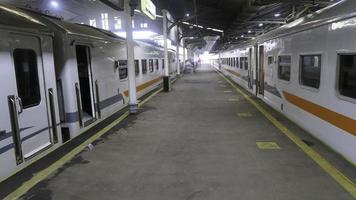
(242, 36)
(260, 25)
(277, 15)
(249, 31)
(54, 4)
(187, 14)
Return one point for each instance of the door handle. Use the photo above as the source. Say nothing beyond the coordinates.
(19, 100)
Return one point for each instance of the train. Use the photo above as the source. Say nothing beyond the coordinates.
(306, 70)
(60, 79)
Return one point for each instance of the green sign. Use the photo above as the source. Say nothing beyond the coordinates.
(148, 8)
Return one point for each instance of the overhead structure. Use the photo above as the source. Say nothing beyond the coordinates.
(235, 21)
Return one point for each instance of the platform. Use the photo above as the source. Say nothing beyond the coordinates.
(202, 140)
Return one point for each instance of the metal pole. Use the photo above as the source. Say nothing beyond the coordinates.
(178, 44)
(129, 12)
(219, 61)
(183, 54)
(166, 79)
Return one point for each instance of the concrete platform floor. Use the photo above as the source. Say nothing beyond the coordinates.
(197, 142)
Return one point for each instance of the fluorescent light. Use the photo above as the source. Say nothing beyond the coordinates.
(260, 25)
(249, 31)
(54, 4)
(277, 15)
(139, 35)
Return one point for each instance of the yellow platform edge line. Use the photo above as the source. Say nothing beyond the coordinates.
(338, 176)
(40, 176)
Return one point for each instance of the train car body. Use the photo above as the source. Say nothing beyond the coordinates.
(29, 121)
(61, 79)
(306, 70)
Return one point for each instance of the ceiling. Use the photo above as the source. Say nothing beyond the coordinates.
(240, 20)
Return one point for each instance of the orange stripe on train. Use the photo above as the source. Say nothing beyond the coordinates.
(145, 85)
(341, 121)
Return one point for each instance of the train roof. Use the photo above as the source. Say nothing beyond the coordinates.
(342, 10)
(85, 31)
(14, 18)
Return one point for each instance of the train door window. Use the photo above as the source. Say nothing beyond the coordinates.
(84, 72)
(150, 65)
(137, 67)
(156, 64)
(144, 66)
(237, 62)
(310, 70)
(28, 87)
(347, 75)
(162, 63)
(284, 65)
(123, 72)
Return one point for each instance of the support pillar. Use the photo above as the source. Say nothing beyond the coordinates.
(219, 61)
(183, 54)
(177, 51)
(133, 105)
(166, 78)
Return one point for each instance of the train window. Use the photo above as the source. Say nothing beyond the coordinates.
(162, 63)
(156, 64)
(246, 63)
(150, 65)
(284, 63)
(347, 75)
(310, 70)
(270, 60)
(123, 72)
(237, 62)
(28, 87)
(144, 66)
(243, 63)
(137, 67)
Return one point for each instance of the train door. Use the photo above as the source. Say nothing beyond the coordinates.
(250, 70)
(27, 101)
(261, 75)
(85, 94)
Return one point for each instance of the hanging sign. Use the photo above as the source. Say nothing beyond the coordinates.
(148, 8)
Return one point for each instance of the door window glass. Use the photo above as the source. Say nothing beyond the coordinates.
(28, 87)
(284, 63)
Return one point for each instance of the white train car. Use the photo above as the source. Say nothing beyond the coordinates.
(29, 121)
(307, 71)
(61, 79)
